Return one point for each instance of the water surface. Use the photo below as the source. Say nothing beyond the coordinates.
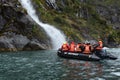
(46, 65)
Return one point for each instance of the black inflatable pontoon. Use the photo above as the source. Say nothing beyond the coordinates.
(86, 57)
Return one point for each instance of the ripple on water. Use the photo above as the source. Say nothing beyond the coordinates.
(47, 65)
(97, 78)
(17, 60)
(116, 73)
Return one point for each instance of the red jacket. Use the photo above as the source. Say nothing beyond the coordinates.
(65, 47)
(87, 49)
(72, 47)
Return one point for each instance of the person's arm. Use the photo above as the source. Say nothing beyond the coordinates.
(82, 47)
(90, 48)
(95, 46)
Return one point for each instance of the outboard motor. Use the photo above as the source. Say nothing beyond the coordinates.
(102, 54)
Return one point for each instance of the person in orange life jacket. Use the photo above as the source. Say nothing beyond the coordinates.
(65, 47)
(99, 46)
(87, 48)
(72, 47)
(78, 47)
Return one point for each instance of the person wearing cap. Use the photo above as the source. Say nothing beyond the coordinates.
(78, 48)
(98, 49)
(100, 45)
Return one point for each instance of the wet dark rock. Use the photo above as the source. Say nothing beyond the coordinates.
(16, 27)
(34, 45)
(2, 22)
(19, 41)
(5, 44)
(13, 42)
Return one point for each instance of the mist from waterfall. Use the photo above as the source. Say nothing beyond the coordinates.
(57, 38)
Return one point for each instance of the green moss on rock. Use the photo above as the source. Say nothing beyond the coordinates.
(68, 19)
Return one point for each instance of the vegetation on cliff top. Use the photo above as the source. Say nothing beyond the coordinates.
(78, 20)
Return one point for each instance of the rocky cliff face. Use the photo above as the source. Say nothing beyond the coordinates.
(83, 19)
(79, 19)
(17, 30)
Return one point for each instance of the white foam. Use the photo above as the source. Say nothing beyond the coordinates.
(116, 73)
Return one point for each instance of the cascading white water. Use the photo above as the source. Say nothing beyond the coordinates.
(56, 36)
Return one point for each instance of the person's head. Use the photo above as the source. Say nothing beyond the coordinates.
(100, 42)
(99, 39)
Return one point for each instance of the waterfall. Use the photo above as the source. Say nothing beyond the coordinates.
(57, 38)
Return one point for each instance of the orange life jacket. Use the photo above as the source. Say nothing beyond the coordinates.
(72, 47)
(87, 49)
(78, 49)
(65, 47)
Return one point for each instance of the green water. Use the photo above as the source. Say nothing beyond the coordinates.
(46, 65)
